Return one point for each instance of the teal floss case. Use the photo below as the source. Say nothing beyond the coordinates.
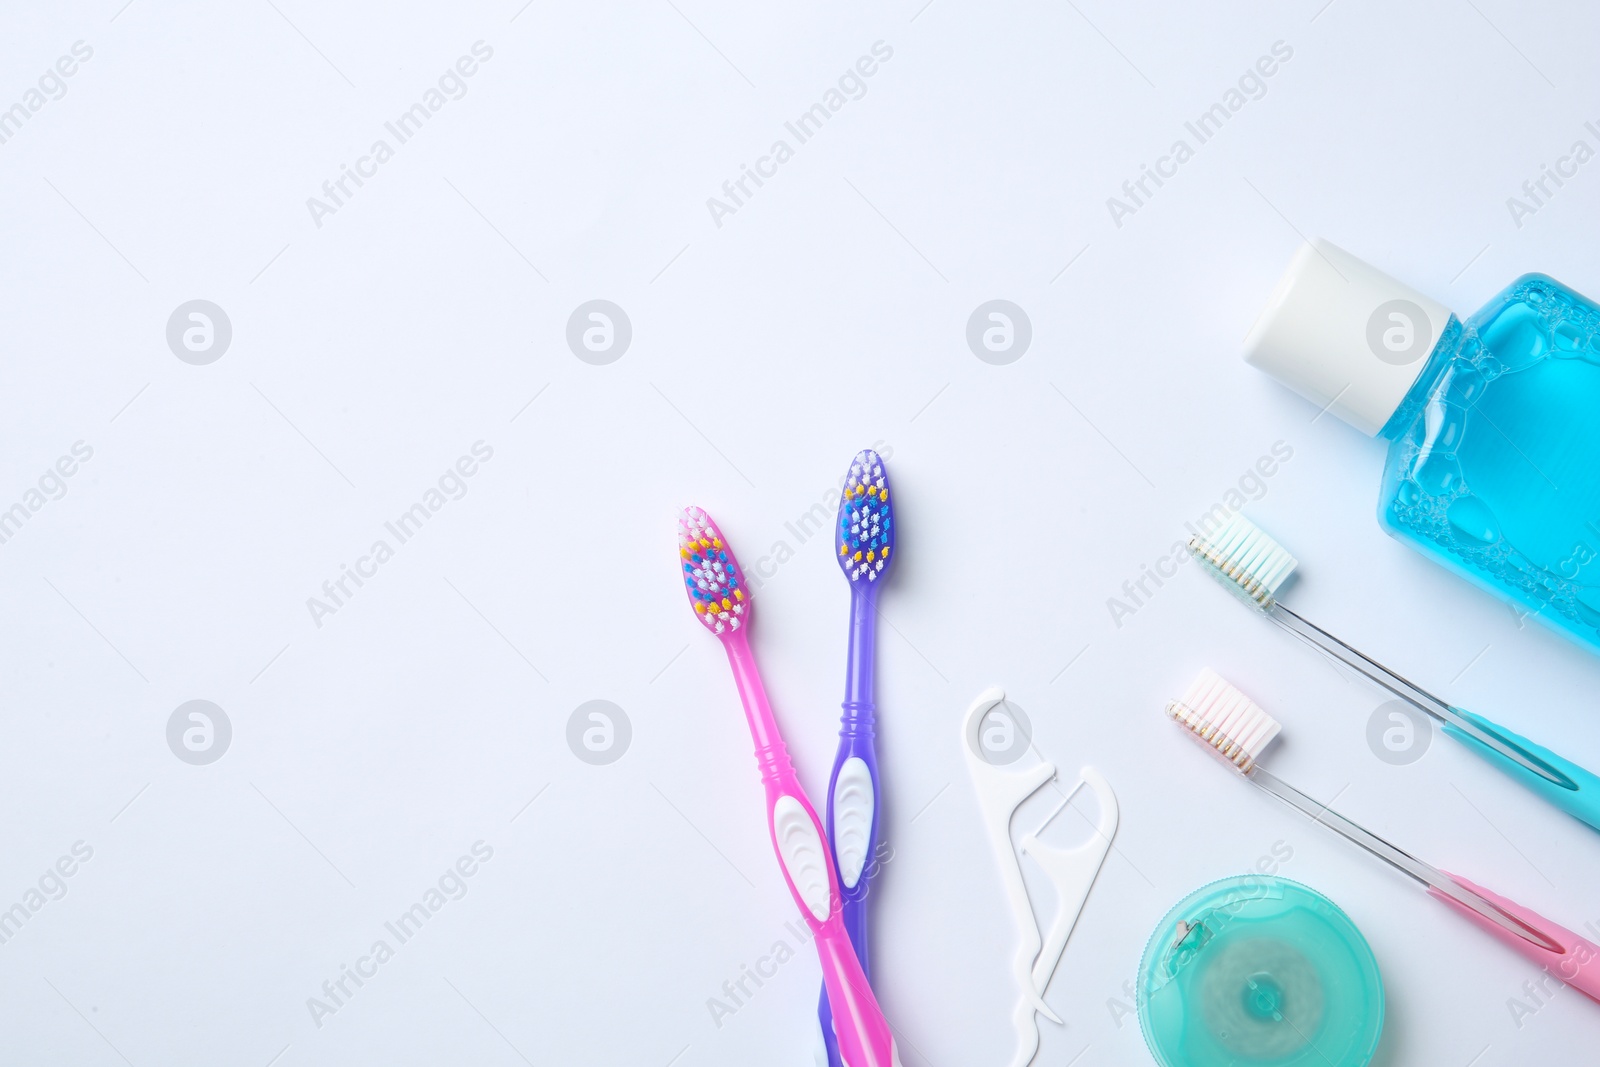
(1258, 970)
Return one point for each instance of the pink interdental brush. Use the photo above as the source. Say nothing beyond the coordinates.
(1238, 730)
(721, 601)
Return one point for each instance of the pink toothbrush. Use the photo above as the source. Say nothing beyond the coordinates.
(721, 602)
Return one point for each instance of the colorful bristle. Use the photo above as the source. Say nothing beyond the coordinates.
(864, 537)
(1243, 556)
(711, 575)
(1226, 720)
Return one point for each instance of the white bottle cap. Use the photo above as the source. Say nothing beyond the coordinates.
(1348, 338)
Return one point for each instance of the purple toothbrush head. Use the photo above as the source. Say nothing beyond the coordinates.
(865, 533)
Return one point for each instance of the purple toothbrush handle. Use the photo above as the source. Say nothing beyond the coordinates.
(852, 826)
(852, 811)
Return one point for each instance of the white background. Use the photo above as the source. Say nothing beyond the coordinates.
(827, 313)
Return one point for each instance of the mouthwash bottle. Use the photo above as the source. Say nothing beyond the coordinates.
(1493, 423)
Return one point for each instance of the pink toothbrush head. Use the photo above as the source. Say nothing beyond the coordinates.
(866, 521)
(711, 575)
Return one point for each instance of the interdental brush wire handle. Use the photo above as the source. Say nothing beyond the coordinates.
(1398, 858)
(1557, 779)
(1569, 956)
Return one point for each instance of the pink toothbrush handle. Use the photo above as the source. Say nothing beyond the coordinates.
(1578, 964)
(863, 1032)
(797, 837)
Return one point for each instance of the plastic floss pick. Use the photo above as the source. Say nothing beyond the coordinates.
(1071, 871)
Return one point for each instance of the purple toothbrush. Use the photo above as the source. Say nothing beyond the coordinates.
(863, 537)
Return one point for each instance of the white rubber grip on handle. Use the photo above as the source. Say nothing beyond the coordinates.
(803, 855)
(853, 804)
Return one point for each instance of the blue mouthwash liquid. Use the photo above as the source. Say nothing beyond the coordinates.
(1494, 461)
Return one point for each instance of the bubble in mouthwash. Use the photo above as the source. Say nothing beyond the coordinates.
(1471, 519)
